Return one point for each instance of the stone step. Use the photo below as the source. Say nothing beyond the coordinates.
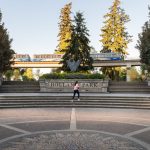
(20, 83)
(82, 101)
(123, 83)
(65, 101)
(9, 86)
(55, 97)
(76, 106)
(20, 91)
(128, 86)
(68, 99)
(129, 89)
(20, 86)
(77, 102)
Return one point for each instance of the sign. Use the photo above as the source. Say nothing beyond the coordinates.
(66, 85)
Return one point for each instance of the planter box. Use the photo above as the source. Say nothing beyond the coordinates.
(66, 85)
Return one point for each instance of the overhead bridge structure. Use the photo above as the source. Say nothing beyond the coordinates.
(97, 63)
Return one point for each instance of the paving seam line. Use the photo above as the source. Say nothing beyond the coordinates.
(137, 132)
(36, 121)
(15, 129)
(73, 120)
(114, 121)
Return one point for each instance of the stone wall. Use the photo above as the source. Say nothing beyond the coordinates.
(66, 85)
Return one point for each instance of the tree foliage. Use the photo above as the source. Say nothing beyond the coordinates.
(143, 44)
(5, 48)
(16, 74)
(133, 73)
(8, 74)
(114, 36)
(79, 48)
(65, 29)
(28, 74)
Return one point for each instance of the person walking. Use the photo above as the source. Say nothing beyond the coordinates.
(76, 90)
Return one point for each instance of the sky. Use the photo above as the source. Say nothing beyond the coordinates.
(33, 24)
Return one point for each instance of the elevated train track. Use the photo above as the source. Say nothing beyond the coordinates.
(53, 60)
(97, 63)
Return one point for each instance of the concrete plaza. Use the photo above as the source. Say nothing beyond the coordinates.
(74, 129)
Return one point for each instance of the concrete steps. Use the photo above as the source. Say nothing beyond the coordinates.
(34, 87)
(66, 101)
(19, 87)
(128, 87)
(28, 95)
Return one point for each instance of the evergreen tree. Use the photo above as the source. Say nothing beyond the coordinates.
(79, 48)
(143, 44)
(114, 36)
(6, 52)
(65, 29)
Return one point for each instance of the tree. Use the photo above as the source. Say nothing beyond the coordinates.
(143, 45)
(133, 73)
(6, 52)
(79, 48)
(65, 29)
(115, 38)
(28, 74)
(16, 74)
(8, 74)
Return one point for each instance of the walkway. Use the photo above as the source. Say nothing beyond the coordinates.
(74, 129)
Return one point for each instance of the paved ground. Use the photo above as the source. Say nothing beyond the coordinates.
(74, 129)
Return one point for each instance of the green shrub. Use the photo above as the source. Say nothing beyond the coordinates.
(75, 76)
(72, 76)
(96, 76)
(25, 78)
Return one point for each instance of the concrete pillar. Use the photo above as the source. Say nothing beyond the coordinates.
(128, 79)
(0, 82)
(1, 79)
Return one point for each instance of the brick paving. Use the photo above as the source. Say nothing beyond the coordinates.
(74, 129)
(77, 140)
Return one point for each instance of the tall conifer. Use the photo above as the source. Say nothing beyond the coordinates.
(114, 36)
(6, 52)
(65, 29)
(79, 48)
(143, 44)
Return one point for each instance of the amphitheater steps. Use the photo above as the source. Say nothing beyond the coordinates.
(66, 101)
(128, 87)
(20, 87)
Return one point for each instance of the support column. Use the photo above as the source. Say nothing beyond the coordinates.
(128, 79)
(1, 79)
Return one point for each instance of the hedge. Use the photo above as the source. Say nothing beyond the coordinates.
(72, 76)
